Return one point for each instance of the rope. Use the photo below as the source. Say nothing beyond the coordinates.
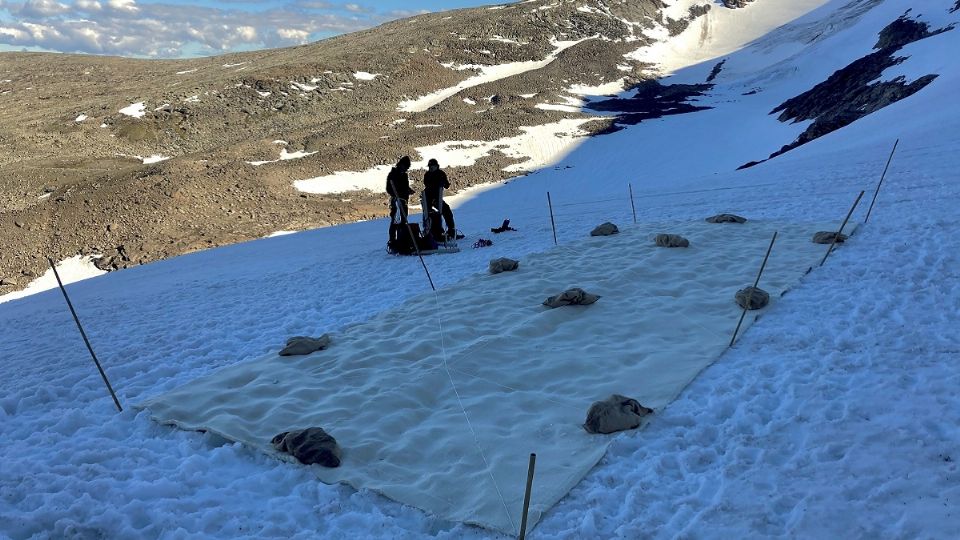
(476, 439)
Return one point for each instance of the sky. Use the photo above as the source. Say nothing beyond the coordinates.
(179, 29)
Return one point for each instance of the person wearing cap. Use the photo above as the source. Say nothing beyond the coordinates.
(435, 181)
(398, 187)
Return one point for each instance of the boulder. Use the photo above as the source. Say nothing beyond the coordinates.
(605, 229)
(299, 345)
(671, 240)
(503, 264)
(575, 296)
(752, 298)
(616, 413)
(309, 446)
(826, 237)
(726, 218)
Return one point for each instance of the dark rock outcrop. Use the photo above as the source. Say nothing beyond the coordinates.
(653, 100)
(716, 70)
(850, 93)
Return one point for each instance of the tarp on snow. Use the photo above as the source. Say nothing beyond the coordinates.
(525, 374)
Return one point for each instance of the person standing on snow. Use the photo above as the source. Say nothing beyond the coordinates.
(398, 187)
(435, 181)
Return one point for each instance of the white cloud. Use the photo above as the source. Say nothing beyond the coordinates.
(293, 34)
(42, 8)
(88, 5)
(14, 33)
(248, 33)
(126, 28)
(123, 5)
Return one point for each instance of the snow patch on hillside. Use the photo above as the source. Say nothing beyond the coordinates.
(720, 31)
(284, 156)
(486, 74)
(537, 147)
(136, 110)
(72, 270)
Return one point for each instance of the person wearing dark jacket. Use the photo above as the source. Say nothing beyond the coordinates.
(435, 181)
(398, 187)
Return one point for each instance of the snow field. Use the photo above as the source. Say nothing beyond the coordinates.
(833, 416)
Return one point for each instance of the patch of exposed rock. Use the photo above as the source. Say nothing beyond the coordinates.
(653, 100)
(853, 92)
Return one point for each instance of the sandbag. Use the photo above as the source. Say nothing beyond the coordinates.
(616, 413)
(826, 237)
(299, 345)
(503, 264)
(570, 297)
(671, 240)
(752, 298)
(605, 229)
(309, 446)
(726, 218)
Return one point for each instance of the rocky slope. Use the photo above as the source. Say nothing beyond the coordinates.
(79, 135)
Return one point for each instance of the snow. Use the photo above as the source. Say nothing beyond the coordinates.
(186, 71)
(71, 270)
(136, 110)
(81, 118)
(302, 87)
(284, 156)
(364, 76)
(708, 36)
(155, 158)
(486, 74)
(830, 418)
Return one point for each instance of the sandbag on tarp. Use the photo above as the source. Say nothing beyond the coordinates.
(570, 297)
(298, 345)
(503, 264)
(726, 218)
(605, 229)
(309, 446)
(752, 298)
(616, 413)
(826, 237)
(671, 240)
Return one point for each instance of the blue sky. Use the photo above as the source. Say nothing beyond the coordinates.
(178, 29)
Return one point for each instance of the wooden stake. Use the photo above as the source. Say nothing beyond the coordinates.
(842, 225)
(552, 223)
(877, 192)
(84, 334)
(526, 497)
(755, 283)
(632, 207)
